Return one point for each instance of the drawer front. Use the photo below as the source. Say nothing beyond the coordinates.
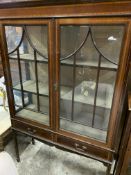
(32, 130)
(82, 147)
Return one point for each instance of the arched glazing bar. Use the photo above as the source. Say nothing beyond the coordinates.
(19, 44)
(94, 43)
(20, 76)
(89, 33)
(74, 56)
(35, 53)
(96, 90)
(78, 49)
(25, 34)
(32, 45)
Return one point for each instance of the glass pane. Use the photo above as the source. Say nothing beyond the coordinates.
(38, 36)
(17, 99)
(33, 39)
(43, 82)
(71, 34)
(13, 36)
(108, 39)
(104, 98)
(29, 72)
(29, 76)
(14, 72)
(88, 67)
(31, 107)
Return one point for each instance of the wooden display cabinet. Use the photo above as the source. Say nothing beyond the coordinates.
(71, 74)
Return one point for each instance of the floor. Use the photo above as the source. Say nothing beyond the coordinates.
(40, 159)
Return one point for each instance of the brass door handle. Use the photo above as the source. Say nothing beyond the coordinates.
(80, 148)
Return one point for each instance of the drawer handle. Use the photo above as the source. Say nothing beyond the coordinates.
(83, 148)
(31, 131)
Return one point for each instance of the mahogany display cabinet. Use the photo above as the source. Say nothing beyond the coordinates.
(71, 64)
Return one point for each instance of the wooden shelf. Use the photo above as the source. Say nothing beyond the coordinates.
(29, 57)
(32, 115)
(66, 93)
(30, 86)
(83, 130)
(102, 101)
(79, 63)
(84, 117)
(33, 107)
(92, 64)
(64, 124)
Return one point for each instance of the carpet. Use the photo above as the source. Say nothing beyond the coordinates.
(41, 159)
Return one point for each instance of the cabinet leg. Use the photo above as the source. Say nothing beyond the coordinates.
(1, 147)
(108, 170)
(16, 146)
(33, 141)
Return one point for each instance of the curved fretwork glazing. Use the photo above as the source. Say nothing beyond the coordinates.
(89, 34)
(28, 56)
(89, 61)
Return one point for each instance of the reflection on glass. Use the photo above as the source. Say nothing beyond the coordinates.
(104, 98)
(89, 61)
(43, 82)
(29, 72)
(39, 35)
(108, 40)
(13, 37)
(17, 99)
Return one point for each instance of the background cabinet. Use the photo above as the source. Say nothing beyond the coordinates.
(69, 80)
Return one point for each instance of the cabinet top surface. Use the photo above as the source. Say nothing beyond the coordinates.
(25, 3)
(11, 9)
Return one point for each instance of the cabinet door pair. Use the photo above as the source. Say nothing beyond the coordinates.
(68, 74)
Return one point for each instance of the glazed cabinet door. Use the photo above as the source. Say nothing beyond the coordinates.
(29, 59)
(89, 53)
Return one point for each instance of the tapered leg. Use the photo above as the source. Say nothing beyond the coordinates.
(16, 146)
(33, 141)
(1, 145)
(108, 170)
(115, 166)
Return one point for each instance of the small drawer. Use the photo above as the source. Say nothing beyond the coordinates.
(82, 147)
(32, 130)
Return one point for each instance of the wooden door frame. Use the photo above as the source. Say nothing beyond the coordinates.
(6, 64)
(121, 75)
